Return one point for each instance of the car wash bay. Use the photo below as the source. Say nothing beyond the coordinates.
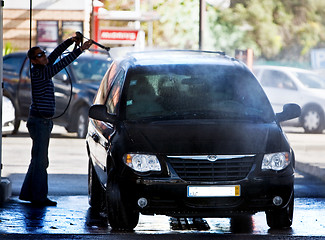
(68, 186)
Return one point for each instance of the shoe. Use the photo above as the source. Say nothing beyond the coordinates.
(45, 203)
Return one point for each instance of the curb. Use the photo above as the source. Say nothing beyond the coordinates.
(310, 169)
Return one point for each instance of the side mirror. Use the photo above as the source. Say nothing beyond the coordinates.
(290, 111)
(99, 112)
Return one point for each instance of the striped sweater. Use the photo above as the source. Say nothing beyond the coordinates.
(43, 99)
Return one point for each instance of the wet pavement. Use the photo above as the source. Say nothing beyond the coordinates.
(70, 216)
(73, 216)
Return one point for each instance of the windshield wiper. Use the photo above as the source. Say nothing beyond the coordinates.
(201, 115)
(184, 116)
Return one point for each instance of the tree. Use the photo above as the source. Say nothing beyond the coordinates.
(178, 26)
(274, 29)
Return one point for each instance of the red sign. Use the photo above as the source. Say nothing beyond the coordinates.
(118, 35)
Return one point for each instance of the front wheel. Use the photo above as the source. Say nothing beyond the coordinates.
(121, 214)
(312, 120)
(281, 218)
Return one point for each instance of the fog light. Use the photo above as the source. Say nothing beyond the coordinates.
(142, 202)
(277, 201)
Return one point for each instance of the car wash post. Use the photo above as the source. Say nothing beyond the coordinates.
(5, 185)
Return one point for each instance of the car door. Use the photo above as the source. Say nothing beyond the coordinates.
(24, 90)
(279, 88)
(101, 132)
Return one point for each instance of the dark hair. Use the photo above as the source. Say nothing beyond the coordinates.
(31, 52)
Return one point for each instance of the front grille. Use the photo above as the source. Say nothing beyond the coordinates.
(200, 169)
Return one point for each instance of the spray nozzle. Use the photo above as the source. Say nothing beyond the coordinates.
(80, 35)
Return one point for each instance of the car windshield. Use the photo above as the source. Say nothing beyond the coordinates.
(198, 91)
(89, 69)
(311, 80)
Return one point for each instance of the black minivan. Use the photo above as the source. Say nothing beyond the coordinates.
(187, 134)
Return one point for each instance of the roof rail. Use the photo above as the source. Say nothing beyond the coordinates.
(190, 50)
(124, 51)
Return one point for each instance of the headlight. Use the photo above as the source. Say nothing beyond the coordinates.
(276, 161)
(142, 162)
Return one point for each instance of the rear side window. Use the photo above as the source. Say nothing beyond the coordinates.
(115, 93)
(105, 85)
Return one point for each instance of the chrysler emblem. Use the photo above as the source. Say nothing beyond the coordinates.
(212, 158)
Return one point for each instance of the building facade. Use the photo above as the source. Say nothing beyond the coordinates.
(51, 21)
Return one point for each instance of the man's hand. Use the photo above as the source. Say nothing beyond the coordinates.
(86, 45)
(77, 39)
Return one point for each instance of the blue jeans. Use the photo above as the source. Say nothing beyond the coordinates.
(35, 187)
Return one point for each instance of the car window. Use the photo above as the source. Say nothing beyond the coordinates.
(195, 91)
(106, 84)
(13, 63)
(257, 71)
(277, 79)
(89, 69)
(311, 80)
(26, 70)
(115, 93)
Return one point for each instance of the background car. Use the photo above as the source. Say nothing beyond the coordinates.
(8, 116)
(187, 134)
(80, 80)
(303, 87)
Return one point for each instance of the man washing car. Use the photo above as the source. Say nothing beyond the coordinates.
(42, 109)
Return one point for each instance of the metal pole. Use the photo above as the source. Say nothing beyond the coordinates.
(150, 26)
(30, 26)
(202, 24)
(137, 9)
(1, 79)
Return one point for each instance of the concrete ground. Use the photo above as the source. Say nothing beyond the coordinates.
(68, 186)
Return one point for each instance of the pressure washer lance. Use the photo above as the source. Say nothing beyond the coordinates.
(79, 35)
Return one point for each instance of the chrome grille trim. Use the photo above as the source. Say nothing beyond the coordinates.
(206, 157)
(200, 168)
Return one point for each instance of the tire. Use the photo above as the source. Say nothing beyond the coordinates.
(312, 120)
(82, 122)
(241, 224)
(121, 214)
(95, 191)
(282, 218)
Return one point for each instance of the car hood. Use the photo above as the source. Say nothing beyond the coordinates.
(206, 137)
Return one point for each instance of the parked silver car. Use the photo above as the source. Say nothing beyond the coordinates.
(8, 116)
(303, 87)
